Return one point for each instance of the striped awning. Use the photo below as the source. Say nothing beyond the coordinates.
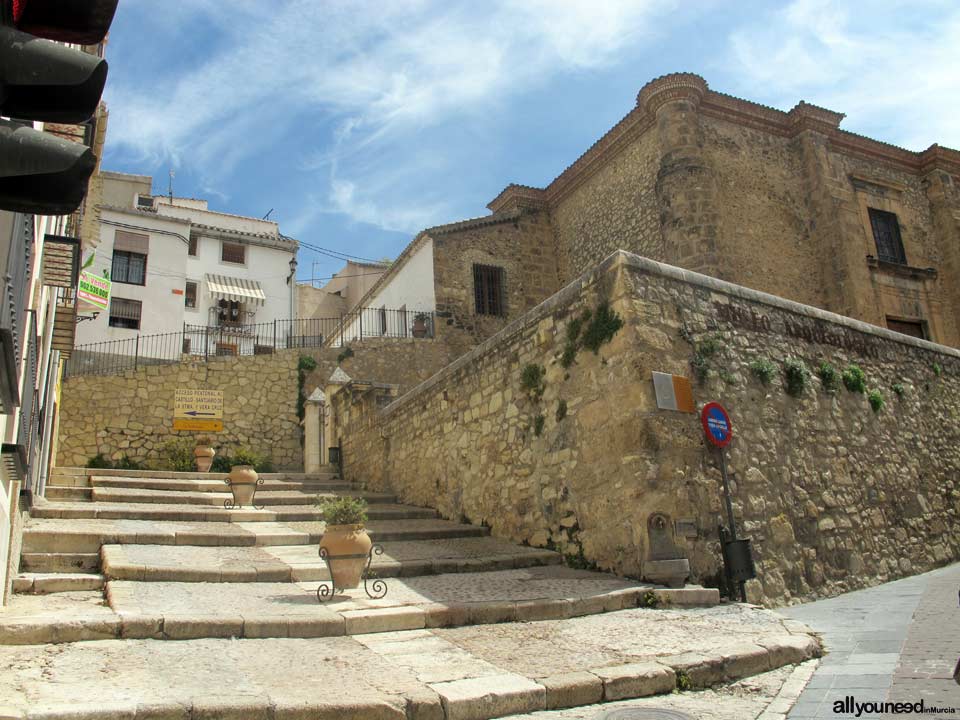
(224, 287)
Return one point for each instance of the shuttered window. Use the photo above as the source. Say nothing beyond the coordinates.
(886, 233)
(488, 290)
(233, 253)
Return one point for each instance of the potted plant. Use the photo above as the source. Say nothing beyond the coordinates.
(242, 482)
(420, 324)
(203, 453)
(345, 544)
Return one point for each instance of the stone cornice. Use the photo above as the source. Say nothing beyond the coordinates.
(804, 117)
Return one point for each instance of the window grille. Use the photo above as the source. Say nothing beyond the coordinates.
(488, 289)
(190, 294)
(192, 246)
(124, 313)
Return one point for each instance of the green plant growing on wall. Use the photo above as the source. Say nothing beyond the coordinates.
(561, 410)
(854, 379)
(601, 328)
(795, 374)
(829, 377)
(532, 381)
(347, 353)
(763, 370)
(683, 680)
(538, 422)
(937, 370)
(898, 389)
(876, 400)
(572, 344)
(649, 600)
(728, 377)
(703, 352)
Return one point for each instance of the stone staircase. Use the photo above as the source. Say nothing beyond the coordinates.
(172, 562)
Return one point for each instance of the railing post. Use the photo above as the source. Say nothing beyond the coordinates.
(136, 353)
(206, 342)
(341, 331)
(274, 334)
(361, 323)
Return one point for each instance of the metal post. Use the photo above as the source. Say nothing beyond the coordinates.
(206, 341)
(361, 323)
(274, 334)
(136, 353)
(341, 331)
(729, 503)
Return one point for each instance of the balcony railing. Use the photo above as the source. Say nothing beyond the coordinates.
(202, 342)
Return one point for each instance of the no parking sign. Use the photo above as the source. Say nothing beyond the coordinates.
(716, 424)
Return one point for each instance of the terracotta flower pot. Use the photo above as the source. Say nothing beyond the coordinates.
(243, 484)
(347, 549)
(203, 454)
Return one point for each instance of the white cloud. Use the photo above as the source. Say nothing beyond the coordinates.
(368, 76)
(890, 66)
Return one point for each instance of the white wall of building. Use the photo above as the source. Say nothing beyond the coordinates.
(410, 289)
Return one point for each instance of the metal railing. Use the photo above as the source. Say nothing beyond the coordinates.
(202, 342)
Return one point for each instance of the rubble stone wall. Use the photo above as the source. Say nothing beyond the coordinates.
(131, 414)
(834, 495)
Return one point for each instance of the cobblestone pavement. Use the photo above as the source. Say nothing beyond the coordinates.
(899, 642)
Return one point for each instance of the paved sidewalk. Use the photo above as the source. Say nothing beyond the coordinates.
(898, 641)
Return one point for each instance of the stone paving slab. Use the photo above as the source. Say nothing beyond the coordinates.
(87, 534)
(173, 511)
(183, 563)
(412, 675)
(213, 485)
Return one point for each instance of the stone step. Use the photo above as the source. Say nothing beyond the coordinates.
(300, 563)
(184, 611)
(75, 494)
(44, 583)
(87, 535)
(426, 673)
(80, 477)
(158, 511)
(218, 485)
(59, 562)
(217, 499)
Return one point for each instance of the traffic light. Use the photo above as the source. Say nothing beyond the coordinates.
(46, 81)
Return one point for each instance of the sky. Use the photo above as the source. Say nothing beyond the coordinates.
(357, 124)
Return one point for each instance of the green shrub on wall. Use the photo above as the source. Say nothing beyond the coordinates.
(854, 379)
(532, 380)
(795, 374)
(829, 377)
(876, 400)
(591, 330)
(763, 370)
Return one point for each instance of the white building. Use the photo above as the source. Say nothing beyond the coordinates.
(209, 282)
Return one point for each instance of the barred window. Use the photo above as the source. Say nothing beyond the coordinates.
(233, 253)
(129, 267)
(192, 246)
(488, 290)
(190, 294)
(886, 233)
(124, 313)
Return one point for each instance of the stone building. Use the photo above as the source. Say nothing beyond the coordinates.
(782, 202)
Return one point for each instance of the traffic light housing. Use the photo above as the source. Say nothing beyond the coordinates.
(43, 80)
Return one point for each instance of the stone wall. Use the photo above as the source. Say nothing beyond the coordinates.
(835, 495)
(522, 244)
(131, 414)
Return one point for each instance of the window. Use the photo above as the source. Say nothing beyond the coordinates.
(913, 328)
(190, 294)
(233, 253)
(229, 312)
(129, 267)
(886, 233)
(192, 246)
(144, 202)
(488, 284)
(124, 313)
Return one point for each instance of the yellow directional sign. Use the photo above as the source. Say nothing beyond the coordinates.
(197, 409)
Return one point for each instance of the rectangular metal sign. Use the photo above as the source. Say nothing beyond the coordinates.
(673, 392)
(202, 425)
(93, 293)
(198, 409)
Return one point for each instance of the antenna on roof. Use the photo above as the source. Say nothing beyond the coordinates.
(170, 187)
(265, 217)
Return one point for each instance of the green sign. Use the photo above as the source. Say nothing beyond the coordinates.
(93, 293)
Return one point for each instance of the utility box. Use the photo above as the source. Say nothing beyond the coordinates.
(738, 558)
